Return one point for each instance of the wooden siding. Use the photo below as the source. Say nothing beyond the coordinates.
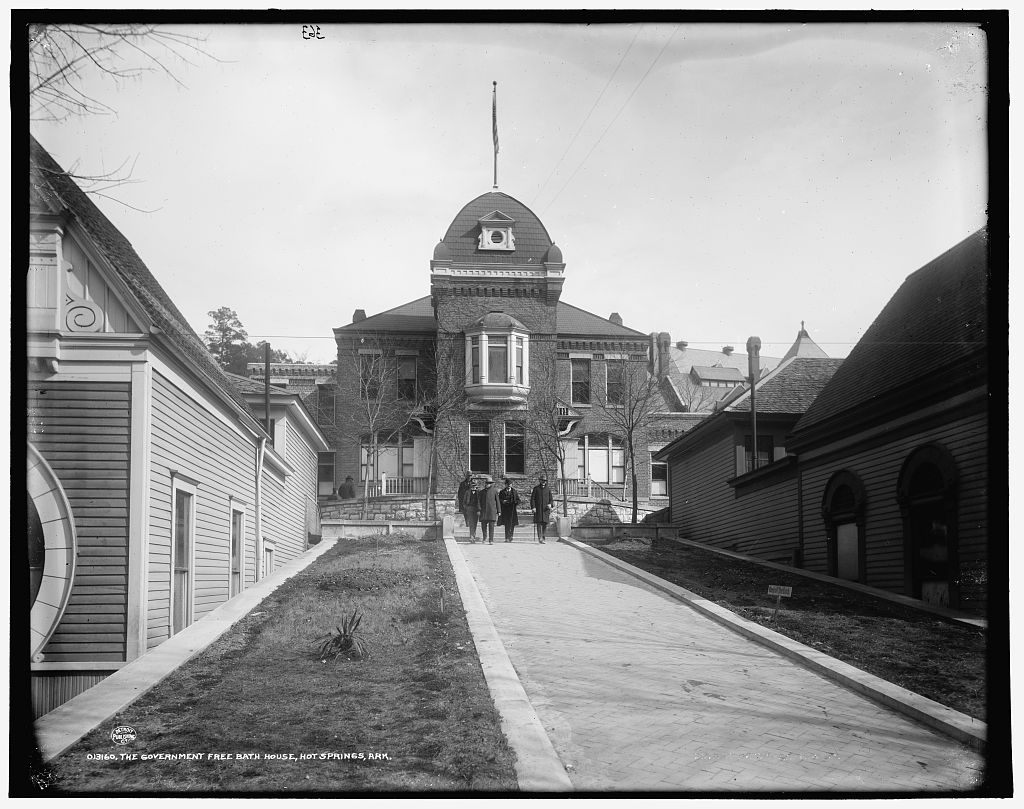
(199, 446)
(878, 468)
(759, 519)
(83, 430)
(51, 689)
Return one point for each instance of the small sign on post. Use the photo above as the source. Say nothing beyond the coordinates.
(779, 591)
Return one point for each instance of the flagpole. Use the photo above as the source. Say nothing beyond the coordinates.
(494, 123)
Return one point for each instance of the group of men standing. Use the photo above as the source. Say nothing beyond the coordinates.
(489, 506)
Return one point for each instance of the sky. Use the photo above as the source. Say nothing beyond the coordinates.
(713, 181)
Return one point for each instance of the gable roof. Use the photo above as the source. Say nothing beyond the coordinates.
(418, 316)
(788, 390)
(934, 329)
(791, 388)
(50, 182)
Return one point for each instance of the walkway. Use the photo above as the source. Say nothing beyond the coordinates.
(638, 691)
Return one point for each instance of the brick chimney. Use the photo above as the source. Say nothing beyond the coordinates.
(358, 314)
(660, 344)
(615, 318)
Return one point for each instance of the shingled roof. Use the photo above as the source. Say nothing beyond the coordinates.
(531, 237)
(418, 316)
(933, 328)
(788, 390)
(414, 316)
(791, 388)
(50, 182)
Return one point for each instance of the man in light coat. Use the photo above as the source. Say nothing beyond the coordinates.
(490, 508)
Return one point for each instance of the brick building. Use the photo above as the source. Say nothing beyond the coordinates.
(493, 372)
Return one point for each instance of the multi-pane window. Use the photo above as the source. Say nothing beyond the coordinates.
(407, 378)
(325, 472)
(765, 450)
(519, 361)
(580, 381)
(602, 458)
(616, 370)
(479, 446)
(325, 396)
(497, 358)
(181, 614)
(392, 457)
(659, 479)
(369, 375)
(515, 449)
(237, 534)
(475, 349)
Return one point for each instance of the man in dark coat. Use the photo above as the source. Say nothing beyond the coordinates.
(509, 500)
(541, 502)
(469, 505)
(347, 490)
(465, 486)
(490, 508)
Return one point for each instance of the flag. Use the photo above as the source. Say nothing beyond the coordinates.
(494, 117)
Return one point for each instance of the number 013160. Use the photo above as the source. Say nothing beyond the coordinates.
(312, 32)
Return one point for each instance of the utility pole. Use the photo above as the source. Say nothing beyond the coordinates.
(754, 369)
(266, 389)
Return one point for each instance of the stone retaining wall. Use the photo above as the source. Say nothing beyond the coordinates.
(582, 511)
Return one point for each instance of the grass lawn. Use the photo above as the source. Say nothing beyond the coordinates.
(416, 708)
(936, 658)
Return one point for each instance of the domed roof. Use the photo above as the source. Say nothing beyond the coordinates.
(531, 237)
(554, 254)
(495, 320)
(442, 253)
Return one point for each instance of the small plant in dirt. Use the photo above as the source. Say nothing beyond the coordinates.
(343, 641)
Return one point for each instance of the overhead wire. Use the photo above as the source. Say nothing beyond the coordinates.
(617, 114)
(593, 107)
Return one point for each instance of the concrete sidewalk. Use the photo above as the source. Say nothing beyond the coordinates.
(639, 692)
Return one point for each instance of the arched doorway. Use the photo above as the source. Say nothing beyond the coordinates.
(842, 508)
(927, 497)
(51, 550)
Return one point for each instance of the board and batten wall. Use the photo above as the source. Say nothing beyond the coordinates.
(878, 466)
(201, 447)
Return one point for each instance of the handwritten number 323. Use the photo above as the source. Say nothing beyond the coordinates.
(312, 32)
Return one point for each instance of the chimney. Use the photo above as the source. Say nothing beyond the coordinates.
(358, 314)
(727, 350)
(664, 343)
(681, 344)
(615, 318)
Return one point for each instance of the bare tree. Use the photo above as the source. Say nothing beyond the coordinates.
(630, 404)
(63, 58)
(551, 422)
(376, 413)
(443, 404)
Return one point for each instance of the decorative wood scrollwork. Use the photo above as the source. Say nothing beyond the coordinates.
(82, 315)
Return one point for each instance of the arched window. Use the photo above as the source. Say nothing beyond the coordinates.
(51, 550)
(927, 496)
(842, 508)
